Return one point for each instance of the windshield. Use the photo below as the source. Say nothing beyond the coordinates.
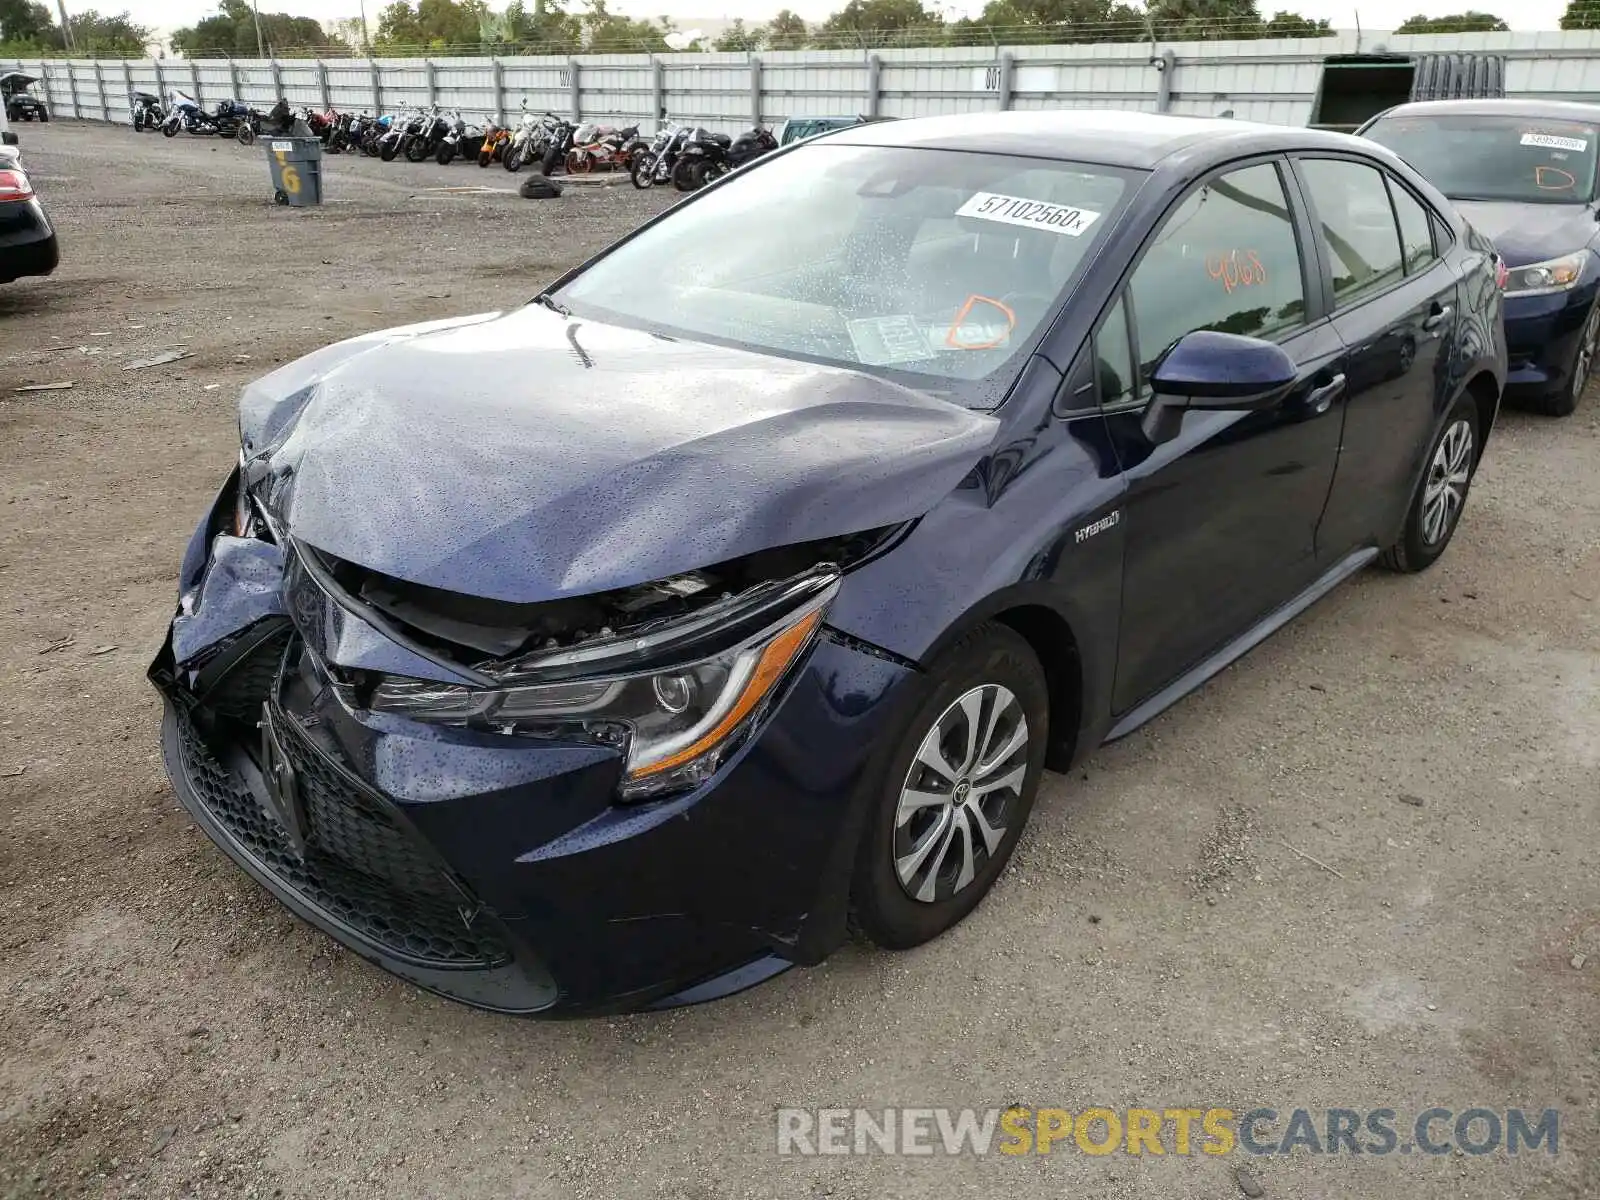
(1528, 160)
(939, 267)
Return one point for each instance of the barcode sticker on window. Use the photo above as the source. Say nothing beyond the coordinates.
(1551, 141)
(1032, 214)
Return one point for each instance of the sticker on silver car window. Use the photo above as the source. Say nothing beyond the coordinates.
(1031, 214)
(884, 341)
(1552, 141)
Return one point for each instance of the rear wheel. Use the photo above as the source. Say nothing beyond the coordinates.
(1441, 495)
(956, 792)
(684, 174)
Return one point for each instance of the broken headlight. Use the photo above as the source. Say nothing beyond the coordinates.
(678, 723)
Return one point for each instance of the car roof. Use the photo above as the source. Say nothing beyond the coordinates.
(1111, 137)
(1570, 110)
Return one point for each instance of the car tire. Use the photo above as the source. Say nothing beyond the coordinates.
(1441, 494)
(1584, 360)
(924, 863)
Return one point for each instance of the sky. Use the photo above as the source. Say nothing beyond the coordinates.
(1519, 14)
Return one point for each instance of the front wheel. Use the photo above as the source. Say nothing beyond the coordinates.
(246, 135)
(169, 131)
(955, 792)
(579, 163)
(513, 159)
(485, 156)
(388, 150)
(643, 171)
(446, 154)
(1585, 357)
(44, 116)
(416, 150)
(1442, 494)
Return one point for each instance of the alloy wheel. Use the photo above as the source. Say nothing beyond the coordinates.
(1583, 366)
(960, 792)
(1448, 476)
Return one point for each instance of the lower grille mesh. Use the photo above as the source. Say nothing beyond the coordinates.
(360, 870)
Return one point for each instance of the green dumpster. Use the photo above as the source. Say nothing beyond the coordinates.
(296, 164)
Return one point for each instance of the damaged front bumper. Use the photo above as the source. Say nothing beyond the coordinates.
(500, 870)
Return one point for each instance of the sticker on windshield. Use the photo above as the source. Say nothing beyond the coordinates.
(1032, 214)
(885, 341)
(1551, 141)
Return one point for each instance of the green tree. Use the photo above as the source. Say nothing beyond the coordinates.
(604, 32)
(115, 36)
(1467, 22)
(232, 33)
(23, 22)
(883, 23)
(432, 25)
(1040, 21)
(1204, 20)
(787, 31)
(1581, 14)
(548, 29)
(736, 39)
(1293, 25)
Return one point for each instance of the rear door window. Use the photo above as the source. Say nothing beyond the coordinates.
(1416, 230)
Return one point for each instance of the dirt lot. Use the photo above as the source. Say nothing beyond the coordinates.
(1430, 744)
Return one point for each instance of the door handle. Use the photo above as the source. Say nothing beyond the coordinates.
(1321, 398)
(1439, 315)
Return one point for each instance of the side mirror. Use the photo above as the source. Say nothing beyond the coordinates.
(1215, 371)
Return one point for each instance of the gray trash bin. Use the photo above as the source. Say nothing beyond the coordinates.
(296, 164)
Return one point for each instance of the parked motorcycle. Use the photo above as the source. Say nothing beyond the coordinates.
(493, 147)
(708, 156)
(184, 114)
(654, 163)
(427, 134)
(605, 149)
(146, 111)
(450, 142)
(555, 143)
(520, 148)
(373, 133)
(399, 133)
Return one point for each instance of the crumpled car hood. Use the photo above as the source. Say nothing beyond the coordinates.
(530, 456)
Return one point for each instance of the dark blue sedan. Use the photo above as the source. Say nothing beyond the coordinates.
(1523, 173)
(741, 591)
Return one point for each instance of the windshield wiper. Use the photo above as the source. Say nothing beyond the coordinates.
(550, 302)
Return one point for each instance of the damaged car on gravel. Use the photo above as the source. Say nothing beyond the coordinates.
(735, 601)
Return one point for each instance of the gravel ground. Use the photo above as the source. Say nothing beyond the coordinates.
(1431, 743)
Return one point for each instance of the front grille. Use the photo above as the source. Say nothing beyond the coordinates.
(365, 875)
(345, 820)
(239, 693)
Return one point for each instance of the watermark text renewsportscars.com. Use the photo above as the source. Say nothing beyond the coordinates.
(1101, 1130)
